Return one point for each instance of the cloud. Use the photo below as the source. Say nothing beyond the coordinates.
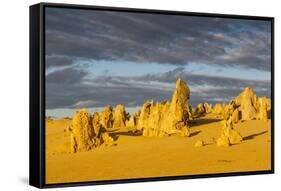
(199, 79)
(58, 61)
(74, 35)
(65, 76)
(85, 104)
(70, 96)
(134, 91)
(163, 39)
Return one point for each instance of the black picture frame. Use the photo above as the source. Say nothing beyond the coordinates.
(37, 94)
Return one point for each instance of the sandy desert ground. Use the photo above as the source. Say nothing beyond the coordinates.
(136, 156)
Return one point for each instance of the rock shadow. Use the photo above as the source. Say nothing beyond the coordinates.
(249, 137)
(198, 122)
(116, 135)
(194, 133)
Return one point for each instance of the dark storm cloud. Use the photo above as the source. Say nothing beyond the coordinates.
(58, 61)
(178, 40)
(67, 96)
(80, 35)
(134, 91)
(65, 76)
(197, 79)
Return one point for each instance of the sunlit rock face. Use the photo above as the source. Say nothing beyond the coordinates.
(200, 109)
(247, 101)
(218, 109)
(208, 107)
(87, 132)
(252, 107)
(246, 106)
(162, 119)
(263, 107)
(229, 136)
(82, 135)
(131, 122)
(119, 117)
(106, 117)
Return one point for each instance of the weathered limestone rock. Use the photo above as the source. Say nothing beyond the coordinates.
(106, 117)
(236, 116)
(189, 111)
(107, 140)
(246, 106)
(200, 109)
(247, 101)
(223, 141)
(97, 125)
(167, 118)
(263, 106)
(178, 114)
(199, 143)
(228, 109)
(82, 134)
(144, 115)
(119, 117)
(208, 107)
(87, 132)
(131, 123)
(218, 109)
(229, 133)
(154, 122)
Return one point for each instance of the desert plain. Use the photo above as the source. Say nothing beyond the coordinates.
(168, 138)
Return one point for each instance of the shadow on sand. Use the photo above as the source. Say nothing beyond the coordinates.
(198, 122)
(115, 135)
(254, 135)
(194, 133)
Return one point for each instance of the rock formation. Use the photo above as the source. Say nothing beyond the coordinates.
(200, 109)
(208, 108)
(247, 101)
(223, 141)
(229, 136)
(236, 115)
(199, 143)
(246, 106)
(106, 117)
(144, 115)
(88, 132)
(131, 123)
(167, 118)
(82, 134)
(119, 117)
(218, 109)
(263, 107)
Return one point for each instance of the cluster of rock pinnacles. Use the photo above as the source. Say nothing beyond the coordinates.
(163, 119)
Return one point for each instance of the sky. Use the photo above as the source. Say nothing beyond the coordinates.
(98, 58)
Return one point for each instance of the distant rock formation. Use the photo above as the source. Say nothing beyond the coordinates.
(218, 109)
(166, 118)
(106, 117)
(203, 108)
(87, 132)
(246, 106)
(131, 123)
(247, 101)
(200, 109)
(263, 107)
(119, 117)
(208, 107)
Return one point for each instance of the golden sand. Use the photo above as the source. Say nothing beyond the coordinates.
(137, 156)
